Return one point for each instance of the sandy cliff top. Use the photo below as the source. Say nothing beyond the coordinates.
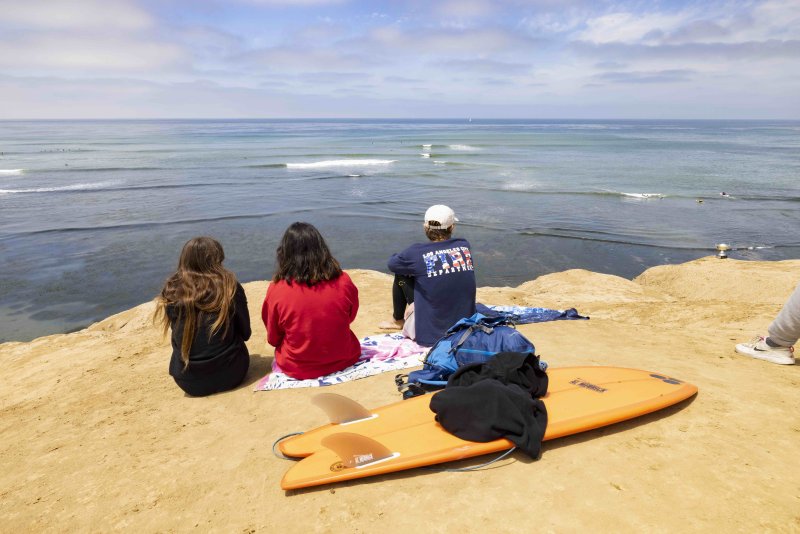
(95, 435)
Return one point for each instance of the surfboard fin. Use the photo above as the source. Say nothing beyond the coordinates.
(341, 409)
(356, 450)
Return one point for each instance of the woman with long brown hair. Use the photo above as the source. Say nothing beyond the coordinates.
(206, 309)
(309, 307)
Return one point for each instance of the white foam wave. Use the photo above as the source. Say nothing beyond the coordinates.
(73, 187)
(643, 195)
(464, 148)
(519, 186)
(340, 163)
(428, 147)
(6, 172)
(425, 155)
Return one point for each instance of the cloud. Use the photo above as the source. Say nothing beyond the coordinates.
(497, 82)
(104, 15)
(131, 98)
(84, 37)
(289, 59)
(754, 50)
(605, 65)
(96, 54)
(299, 57)
(463, 9)
(625, 27)
(401, 79)
(275, 84)
(318, 33)
(564, 20)
(443, 41)
(484, 66)
(208, 42)
(663, 76)
(698, 31)
(699, 23)
(778, 19)
(317, 78)
(290, 3)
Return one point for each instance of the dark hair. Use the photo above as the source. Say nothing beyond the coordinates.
(200, 286)
(438, 234)
(304, 257)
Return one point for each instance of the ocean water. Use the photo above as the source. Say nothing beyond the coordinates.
(93, 213)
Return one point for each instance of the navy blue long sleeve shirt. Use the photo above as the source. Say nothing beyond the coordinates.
(444, 284)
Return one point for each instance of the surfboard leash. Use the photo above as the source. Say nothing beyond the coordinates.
(473, 468)
(275, 444)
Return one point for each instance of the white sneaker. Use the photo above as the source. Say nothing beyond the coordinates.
(758, 348)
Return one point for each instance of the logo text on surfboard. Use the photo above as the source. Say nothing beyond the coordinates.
(361, 459)
(588, 385)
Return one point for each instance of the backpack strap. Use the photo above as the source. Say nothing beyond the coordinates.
(462, 339)
(497, 321)
(468, 332)
(408, 389)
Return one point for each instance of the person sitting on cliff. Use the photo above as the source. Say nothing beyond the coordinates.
(206, 308)
(434, 284)
(309, 307)
(783, 333)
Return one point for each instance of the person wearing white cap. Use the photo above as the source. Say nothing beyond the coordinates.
(435, 279)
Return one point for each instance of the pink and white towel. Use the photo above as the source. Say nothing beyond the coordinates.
(379, 354)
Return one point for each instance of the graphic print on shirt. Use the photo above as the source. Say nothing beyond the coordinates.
(447, 261)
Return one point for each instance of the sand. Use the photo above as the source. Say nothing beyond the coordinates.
(97, 437)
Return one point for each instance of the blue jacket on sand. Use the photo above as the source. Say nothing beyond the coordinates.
(444, 284)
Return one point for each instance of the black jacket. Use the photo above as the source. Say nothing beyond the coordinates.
(212, 355)
(496, 399)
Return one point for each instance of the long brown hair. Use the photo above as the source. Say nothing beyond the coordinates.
(304, 257)
(199, 288)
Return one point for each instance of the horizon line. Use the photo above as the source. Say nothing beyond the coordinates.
(465, 119)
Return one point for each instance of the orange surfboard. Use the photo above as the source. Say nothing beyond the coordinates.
(405, 434)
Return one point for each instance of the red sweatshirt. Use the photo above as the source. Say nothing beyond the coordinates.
(310, 326)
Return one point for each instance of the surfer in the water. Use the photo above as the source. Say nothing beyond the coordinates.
(434, 283)
(778, 346)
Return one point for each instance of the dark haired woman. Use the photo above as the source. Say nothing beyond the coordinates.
(206, 309)
(309, 307)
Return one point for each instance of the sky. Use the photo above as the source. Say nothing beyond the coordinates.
(589, 59)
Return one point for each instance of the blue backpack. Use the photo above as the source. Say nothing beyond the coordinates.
(471, 340)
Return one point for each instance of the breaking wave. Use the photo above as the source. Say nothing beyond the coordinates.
(340, 163)
(463, 148)
(73, 187)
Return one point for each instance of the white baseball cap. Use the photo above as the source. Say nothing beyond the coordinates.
(440, 217)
